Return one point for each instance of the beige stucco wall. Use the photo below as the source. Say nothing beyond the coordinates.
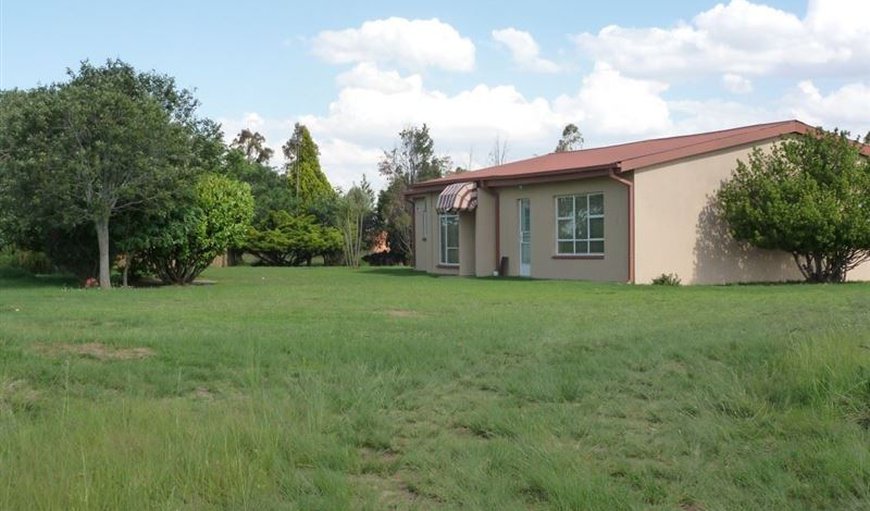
(426, 237)
(466, 243)
(860, 273)
(484, 235)
(677, 231)
(542, 203)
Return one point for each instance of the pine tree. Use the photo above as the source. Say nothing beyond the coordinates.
(307, 181)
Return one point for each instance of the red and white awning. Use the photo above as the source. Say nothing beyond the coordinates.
(458, 197)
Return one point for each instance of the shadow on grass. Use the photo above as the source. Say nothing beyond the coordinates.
(14, 278)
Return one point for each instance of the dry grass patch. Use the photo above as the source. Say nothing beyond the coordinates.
(17, 395)
(392, 492)
(95, 350)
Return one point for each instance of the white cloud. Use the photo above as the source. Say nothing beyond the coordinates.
(412, 44)
(744, 38)
(613, 105)
(373, 113)
(736, 83)
(368, 76)
(524, 50)
(345, 163)
(845, 107)
(698, 116)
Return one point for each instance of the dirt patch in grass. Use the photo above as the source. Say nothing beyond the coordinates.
(17, 395)
(95, 350)
(203, 393)
(392, 491)
(688, 505)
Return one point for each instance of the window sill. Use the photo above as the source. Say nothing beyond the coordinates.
(447, 266)
(580, 256)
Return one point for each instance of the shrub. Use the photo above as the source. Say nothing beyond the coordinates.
(217, 219)
(808, 197)
(30, 261)
(667, 279)
(384, 259)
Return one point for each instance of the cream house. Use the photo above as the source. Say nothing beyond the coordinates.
(626, 213)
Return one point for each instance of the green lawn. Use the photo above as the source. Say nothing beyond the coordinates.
(324, 388)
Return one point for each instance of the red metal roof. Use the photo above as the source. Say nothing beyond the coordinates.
(629, 156)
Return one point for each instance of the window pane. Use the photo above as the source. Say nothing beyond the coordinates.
(449, 239)
(566, 206)
(596, 247)
(566, 247)
(596, 227)
(453, 233)
(525, 215)
(566, 230)
(581, 228)
(453, 256)
(582, 247)
(596, 204)
(580, 214)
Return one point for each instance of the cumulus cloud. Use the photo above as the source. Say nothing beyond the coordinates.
(524, 50)
(614, 105)
(744, 38)
(368, 76)
(736, 83)
(368, 110)
(698, 116)
(411, 44)
(845, 107)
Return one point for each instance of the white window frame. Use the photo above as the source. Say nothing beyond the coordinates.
(584, 197)
(443, 248)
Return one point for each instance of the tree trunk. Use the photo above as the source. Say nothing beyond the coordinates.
(102, 226)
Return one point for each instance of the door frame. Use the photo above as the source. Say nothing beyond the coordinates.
(524, 237)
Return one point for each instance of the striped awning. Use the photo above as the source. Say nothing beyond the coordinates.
(458, 197)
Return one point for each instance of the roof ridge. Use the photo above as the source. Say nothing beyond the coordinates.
(759, 126)
(729, 133)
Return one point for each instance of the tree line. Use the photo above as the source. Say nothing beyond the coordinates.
(114, 168)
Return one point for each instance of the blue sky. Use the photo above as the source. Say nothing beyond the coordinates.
(357, 72)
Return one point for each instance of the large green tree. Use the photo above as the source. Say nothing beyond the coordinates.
(108, 140)
(412, 160)
(809, 196)
(307, 181)
(217, 217)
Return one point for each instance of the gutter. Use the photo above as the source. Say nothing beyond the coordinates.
(497, 232)
(631, 247)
